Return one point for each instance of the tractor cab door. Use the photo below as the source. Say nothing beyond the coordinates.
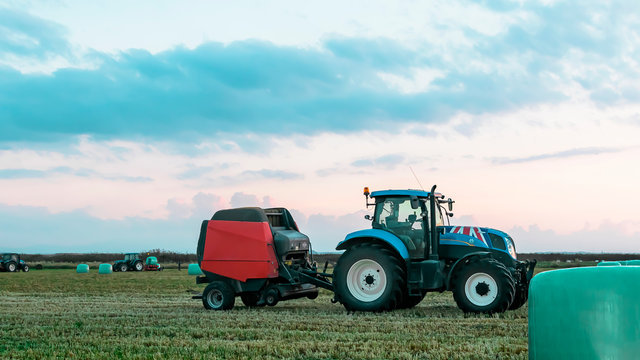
(396, 215)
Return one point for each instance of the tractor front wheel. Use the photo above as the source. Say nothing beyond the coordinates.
(218, 296)
(483, 286)
(25, 268)
(138, 266)
(123, 267)
(11, 267)
(369, 277)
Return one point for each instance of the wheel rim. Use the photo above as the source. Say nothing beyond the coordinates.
(481, 289)
(366, 280)
(214, 298)
(138, 266)
(12, 267)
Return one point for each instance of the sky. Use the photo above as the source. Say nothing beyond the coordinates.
(125, 124)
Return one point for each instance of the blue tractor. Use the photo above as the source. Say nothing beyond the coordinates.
(409, 252)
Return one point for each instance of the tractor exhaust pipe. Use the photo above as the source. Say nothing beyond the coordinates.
(433, 231)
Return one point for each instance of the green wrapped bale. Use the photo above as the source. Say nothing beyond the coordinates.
(105, 269)
(609, 263)
(585, 313)
(82, 269)
(194, 269)
(633, 263)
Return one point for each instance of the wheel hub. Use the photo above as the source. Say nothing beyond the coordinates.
(366, 280)
(481, 289)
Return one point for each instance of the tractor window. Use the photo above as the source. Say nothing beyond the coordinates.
(6, 257)
(396, 216)
(497, 242)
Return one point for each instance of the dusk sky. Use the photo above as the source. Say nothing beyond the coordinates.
(124, 124)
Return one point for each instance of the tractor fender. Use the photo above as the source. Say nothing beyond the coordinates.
(375, 235)
(462, 260)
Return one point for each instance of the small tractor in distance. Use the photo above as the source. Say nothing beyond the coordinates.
(409, 252)
(131, 262)
(11, 262)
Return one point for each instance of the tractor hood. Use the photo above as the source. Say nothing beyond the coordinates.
(478, 236)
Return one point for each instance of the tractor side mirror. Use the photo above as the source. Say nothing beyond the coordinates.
(450, 202)
(415, 202)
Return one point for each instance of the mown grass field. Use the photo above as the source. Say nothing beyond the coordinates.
(64, 315)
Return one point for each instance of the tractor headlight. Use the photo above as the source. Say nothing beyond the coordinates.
(511, 248)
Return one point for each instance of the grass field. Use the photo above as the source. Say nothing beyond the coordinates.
(61, 314)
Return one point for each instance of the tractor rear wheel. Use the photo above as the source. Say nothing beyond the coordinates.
(138, 266)
(11, 267)
(369, 277)
(218, 296)
(483, 286)
(250, 299)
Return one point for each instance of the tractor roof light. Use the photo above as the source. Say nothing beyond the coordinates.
(366, 191)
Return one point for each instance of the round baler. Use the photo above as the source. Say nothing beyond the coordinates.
(257, 254)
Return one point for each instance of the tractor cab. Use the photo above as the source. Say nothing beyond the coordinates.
(405, 214)
(10, 257)
(130, 256)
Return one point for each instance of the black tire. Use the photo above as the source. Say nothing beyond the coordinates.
(521, 296)
(138, 266)
(369, 277)
(250, 299)
(271, 297)
(313, 296)
(123, 267)
(218, 296)
(479, 278)
(11, 267)
(410, 301)
(25, 268)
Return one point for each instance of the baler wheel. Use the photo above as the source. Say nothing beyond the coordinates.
(218, 296)
(250, 299)
(483, 286)
(369, 277)
(271, 297)
(138, 266)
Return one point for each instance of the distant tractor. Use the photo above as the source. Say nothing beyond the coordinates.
(131, 262)
(151, 264)
(11, 262)
(258, 255)
(409, 252)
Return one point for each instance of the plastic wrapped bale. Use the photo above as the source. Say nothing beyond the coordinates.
(82, 269)
(194, 269)
(609, 263)
(633, 263)
(585, 313)
(105, 269)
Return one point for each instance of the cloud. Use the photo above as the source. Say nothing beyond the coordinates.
(557, 155)
(190, 95)
(389, 161)
(24, 35)
(64, 170)
(241, 199)
(270, 174)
